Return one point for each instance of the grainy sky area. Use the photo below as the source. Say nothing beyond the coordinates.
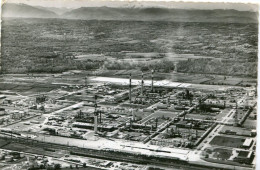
(98, 3)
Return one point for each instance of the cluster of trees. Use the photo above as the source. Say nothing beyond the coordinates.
(218, 66)
(160, 65)
(59, 64)
(42, 166)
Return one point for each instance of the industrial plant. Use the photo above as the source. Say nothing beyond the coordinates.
(144, 122)
(128, 85)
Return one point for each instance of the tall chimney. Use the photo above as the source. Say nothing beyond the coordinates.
(142, 88)
(133, 116)
(100, 116)
(95, 115)
(236, 116)
(95, 102)
(152, 82)
(95, 123)
(130, 123)
(130, 92)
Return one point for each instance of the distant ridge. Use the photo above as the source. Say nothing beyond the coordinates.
(162, 14)
(128, 14)
(25, 11)
(58, 11)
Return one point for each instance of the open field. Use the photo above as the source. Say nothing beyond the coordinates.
(250, 124)
(228, 141)
(30, 149)
(184, 77)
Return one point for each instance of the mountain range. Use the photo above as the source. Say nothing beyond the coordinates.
(26, 11)
(136, 14)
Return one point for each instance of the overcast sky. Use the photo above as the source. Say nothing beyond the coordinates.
(181, 5)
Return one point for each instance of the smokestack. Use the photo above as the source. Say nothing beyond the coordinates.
(95, 115)
(142, 88)
(95, 123)
(130, 123)
(80, 114)
(187, 94)
(133, 115)
(100, 116)
(130, 92)
(152, 81)
(142, 84)
(95, 103)
(236, 118)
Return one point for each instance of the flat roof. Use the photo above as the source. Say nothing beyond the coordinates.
(245, 154)
(248, 142)
(2, 96)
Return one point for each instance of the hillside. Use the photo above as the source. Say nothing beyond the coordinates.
(43, 43)
(218, 66)
(130, 14)
(25, 11)
(162, 14)
(58, 11)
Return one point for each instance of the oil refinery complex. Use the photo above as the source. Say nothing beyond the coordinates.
(116, 123)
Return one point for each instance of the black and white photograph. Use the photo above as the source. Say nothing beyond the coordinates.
(128, 85)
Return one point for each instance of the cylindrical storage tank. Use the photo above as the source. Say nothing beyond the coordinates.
(22, 155)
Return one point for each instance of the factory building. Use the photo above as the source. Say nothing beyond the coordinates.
(2, 98)
(16, 114)
(107, 128)
(40, 99)
(215, 103)
(2, 111)
(244, 157)
(248, 143)
(183, 124)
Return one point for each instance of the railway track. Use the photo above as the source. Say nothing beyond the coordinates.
(108, 154)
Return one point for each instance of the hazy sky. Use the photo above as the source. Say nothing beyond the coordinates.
(176, 4)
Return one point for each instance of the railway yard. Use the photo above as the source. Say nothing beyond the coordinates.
(125, 123)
